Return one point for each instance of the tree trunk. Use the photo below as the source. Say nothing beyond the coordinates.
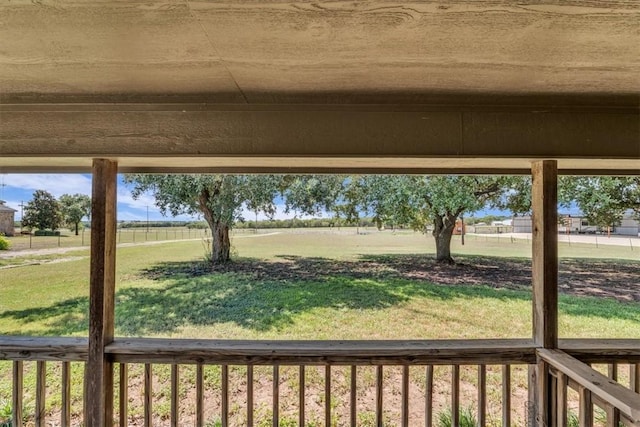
(77, 228)
(442, 232)
(221, 244)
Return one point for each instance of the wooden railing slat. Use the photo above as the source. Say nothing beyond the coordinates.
(405, 396)
(16, 397)
(561, 403)
(379, 381)
(586, 407)
(41, 390)
(276, 395)
(224, 407)
(353, 397)
(506, 395)
(250, 396)
(199, 395)
(428, 396)
(482, 395)
(455, 395)
(613, 414)
(124, 395)
(301, 403)
(148, 395)
(175, 390)
(65, 383)
(327, 396)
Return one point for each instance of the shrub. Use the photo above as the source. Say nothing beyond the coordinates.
(4, 243)
(46, 233)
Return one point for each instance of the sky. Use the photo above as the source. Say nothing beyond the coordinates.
(18, 188)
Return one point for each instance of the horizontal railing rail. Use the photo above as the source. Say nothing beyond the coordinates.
(316, 352)
(620, 402)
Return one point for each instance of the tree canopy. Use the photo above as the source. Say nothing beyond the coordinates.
(74, 207)
(42, 212)
(218, 198)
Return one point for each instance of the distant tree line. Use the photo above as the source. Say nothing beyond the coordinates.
(302, 223)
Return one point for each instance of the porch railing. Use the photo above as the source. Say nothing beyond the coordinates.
(242, 365)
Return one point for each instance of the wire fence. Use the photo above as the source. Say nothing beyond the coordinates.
(123, 235)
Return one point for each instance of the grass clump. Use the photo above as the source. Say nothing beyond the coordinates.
(467, 418)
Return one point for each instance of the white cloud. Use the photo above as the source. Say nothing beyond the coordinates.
(56, 184)
(126, 199)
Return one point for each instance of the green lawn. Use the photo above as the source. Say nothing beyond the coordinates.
(160, 294)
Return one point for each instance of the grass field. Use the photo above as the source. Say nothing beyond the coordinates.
(323, 301)
(323, 284)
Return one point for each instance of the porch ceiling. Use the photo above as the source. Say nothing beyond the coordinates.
(569, 71)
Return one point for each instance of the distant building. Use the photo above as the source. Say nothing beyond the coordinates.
(629, 226)
(576, 224)
(7, 214)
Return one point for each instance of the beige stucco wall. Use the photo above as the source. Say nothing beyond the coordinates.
(6, 223)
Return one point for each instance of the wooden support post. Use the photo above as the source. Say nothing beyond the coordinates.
(99, 379)
(544, 203)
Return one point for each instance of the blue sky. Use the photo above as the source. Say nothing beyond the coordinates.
(17, 188)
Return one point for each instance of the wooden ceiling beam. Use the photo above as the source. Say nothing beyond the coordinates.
(159, 137)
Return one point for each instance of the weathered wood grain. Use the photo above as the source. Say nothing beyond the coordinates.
(561, 402)
(275, 395)
(199, 395)
(17, 393)
(602, 350)
(379, 395)
(455, 395)
(99, 382)
(123, 404)
(353, 397)
(250, 396)
(41, 393)
(296, 51)
(175, 395)
(301, 397)
(428, 396)
(224, 395)
(147, 397)
(591, 381)
(141, 350)
(442, 139)
(65, 385)
(544, 270)
(265, 352)
(41, 348)
(506, 395)
(585, 413)
(405, 396)
(482, 395)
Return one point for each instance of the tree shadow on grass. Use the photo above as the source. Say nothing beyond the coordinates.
(269, 295)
